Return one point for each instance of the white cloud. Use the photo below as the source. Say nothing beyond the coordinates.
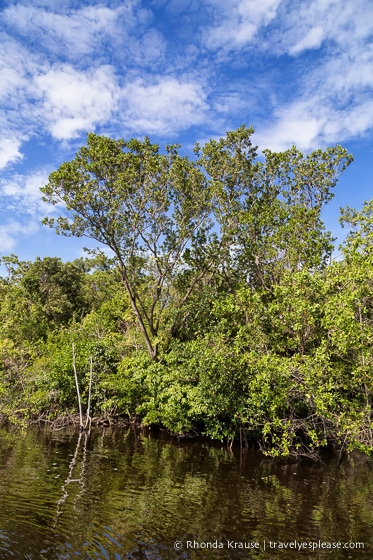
(76, 101)
(22, 207)
(77, 32)
(164, 106)
(20, 194)
(333, 102)
(12, 69)
(317, 122)
(347, 74)
(306, 25)
(9, 151)
(7, 242)
(17, 67)
(354, 122)
(151, 47)
(40, 93)
(313, 39)
(296, 125)
(12, 231)
(237, 22)
(91, 35)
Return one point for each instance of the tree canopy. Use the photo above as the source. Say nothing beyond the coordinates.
(173, 222)
(145, 206)
(220, 309)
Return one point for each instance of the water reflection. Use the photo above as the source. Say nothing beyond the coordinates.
(119, 494)
(72, 468)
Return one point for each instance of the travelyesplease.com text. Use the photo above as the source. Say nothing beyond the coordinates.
(268, 545)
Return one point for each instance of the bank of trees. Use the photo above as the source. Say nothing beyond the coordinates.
(220, 310)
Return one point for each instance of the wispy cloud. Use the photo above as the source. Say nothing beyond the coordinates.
(9, 151)
(21, 207)
(92, 35)
(17, 67)
(20, 193)
(12, 231)
(73, 101)
(236, 22)
(333, 102)
(307, 25)
(164, 105)
(74, 32)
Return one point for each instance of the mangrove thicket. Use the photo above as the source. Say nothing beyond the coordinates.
(214, 304)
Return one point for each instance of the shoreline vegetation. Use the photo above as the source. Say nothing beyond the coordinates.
(218, 309)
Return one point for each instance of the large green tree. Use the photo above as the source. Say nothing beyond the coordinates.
(269, 212)
(147, 207)
(155, 212)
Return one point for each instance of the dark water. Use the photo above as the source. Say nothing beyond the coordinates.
(120, 494)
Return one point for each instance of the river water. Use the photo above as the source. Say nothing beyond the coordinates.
(124, 494)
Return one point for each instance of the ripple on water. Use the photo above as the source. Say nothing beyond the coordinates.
(116, 495)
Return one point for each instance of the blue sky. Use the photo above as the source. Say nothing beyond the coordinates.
(179, 71)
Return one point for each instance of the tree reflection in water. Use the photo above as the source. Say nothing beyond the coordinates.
(82, 436)
(129, 495)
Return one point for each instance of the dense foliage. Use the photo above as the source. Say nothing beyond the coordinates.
(221, 310)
